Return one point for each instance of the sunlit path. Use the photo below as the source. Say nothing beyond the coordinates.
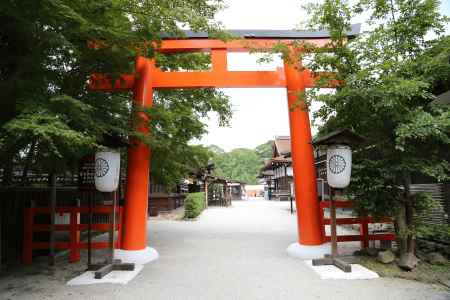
(239, 253)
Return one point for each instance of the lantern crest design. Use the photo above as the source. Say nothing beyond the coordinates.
(337, 164)
(101, 167)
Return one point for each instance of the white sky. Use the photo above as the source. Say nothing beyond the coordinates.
(259, 113)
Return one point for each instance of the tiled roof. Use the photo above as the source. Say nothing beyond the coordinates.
(270, 34)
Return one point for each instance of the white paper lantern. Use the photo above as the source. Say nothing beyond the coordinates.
(107, 169)
(339, 166)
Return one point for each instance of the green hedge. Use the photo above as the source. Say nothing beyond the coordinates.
(436, 232)
(194, 205)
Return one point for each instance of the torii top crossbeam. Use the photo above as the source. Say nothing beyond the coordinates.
(218, 76)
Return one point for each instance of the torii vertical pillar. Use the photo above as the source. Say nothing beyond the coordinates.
(310, 238)
(134, 239)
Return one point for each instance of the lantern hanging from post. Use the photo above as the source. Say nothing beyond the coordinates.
(339, 169)
(107, 170)
(339, 166)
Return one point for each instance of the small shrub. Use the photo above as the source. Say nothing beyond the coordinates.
(438, 232)
(194, 205)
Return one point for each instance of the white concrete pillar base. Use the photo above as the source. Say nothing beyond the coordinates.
(139, 257)
(308, 252)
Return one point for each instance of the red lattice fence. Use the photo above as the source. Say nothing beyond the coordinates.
(74, 228)
(364, 236)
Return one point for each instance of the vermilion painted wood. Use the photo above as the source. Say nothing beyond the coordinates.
(74, 228)
(67, 227)
(364, 232)
(356, 238)
(68, 209)
(339, 203)
(102, 82)
(347, 221)
(237, 45)
(138, 173)
(308, 212)
(27, 251)
(149, 77)
(74, 232)
(228, 79)
(66, 245)
(217, 77)
(364, 235)
(120, 231)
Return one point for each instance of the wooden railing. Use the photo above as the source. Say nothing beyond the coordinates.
(74, 228)
(363, 222)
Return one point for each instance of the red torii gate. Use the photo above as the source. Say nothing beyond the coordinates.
(294, 77)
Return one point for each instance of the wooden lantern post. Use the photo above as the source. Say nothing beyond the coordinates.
(107, 174)
(339, 162)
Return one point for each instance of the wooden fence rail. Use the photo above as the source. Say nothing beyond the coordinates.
(363, 222)
(74, 228)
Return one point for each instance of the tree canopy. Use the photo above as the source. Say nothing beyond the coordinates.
(389, 76)
(49, 119)
(240, 164)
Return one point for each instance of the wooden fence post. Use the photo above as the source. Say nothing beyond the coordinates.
(27, 251)
(322, 221)
(119, 228)
(364, 231)
(74, 255)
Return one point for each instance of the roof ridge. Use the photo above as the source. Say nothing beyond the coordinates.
(353, 31)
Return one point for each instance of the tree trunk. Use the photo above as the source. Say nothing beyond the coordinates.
(404, 225)
(401, 229)
(409, 213)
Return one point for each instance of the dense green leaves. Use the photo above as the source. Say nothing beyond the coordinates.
(241, 164)
(46, 62)
(238, 164)
(264, 151)
(194, 205)
(389, 75)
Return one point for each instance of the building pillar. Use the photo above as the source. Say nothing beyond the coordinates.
(134, 234)
(308, 212)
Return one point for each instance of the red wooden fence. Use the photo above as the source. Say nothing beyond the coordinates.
(363, 222)
(74, 228)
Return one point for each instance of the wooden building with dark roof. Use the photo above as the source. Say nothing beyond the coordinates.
(277, 172)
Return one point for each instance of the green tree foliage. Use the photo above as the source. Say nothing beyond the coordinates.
(264, 151)
(388, 77)
(49, 118)
(240, 164)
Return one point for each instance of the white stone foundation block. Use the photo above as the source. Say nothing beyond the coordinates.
(333, 272)
(138, 257)
(117, 277)
(308, 252)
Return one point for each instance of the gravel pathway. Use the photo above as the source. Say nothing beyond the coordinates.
(229, 253)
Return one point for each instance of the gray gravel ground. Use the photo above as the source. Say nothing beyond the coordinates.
(229, 253)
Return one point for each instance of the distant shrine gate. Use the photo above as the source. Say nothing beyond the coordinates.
(293, 77)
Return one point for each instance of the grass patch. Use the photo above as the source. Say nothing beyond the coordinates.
(424, 272)
(194, 205)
